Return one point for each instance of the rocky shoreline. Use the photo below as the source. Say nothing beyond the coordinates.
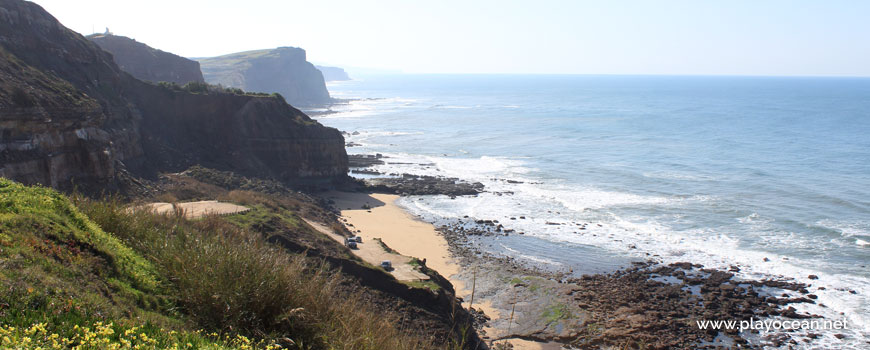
(409, 184)
(648, 305)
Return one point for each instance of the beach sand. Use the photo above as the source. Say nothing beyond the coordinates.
(377, 216)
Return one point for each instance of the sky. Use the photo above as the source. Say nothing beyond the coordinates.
(679, 37)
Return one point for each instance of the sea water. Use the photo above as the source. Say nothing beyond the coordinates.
(767, 174)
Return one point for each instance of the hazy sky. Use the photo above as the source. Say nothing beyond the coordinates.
(744, 37)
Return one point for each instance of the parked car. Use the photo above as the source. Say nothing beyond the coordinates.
(387, 265)
(357, 239)
(350, 243)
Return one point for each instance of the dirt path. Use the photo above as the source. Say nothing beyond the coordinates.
(373, 253)
(198, 209)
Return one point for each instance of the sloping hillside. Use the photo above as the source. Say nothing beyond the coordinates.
(146, 63)
(98, 274)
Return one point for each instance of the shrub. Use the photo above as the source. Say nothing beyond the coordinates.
(278, 97)
(231, 280)
(196, 87)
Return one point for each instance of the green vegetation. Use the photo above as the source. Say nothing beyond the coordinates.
(427, 284)
(206, 88)
(533, 283)
(97, 274)
(278, 97)
(383, 245)
(556, 312)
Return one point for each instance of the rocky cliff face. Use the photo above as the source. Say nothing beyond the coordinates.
(63, 117)
(333, 73)
(283, 70)
(146, 63)
(69, 114)
(263, 136)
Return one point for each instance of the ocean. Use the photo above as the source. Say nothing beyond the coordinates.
(767, 174)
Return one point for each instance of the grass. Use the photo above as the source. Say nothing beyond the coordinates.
(427, 284)
(230, 280)
(384, 246)
(27, 209)
(74, 270)
(62, 276)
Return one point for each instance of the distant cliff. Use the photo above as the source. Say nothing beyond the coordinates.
(333, 73)
(68, 114)
(146, 63)
(283, 70)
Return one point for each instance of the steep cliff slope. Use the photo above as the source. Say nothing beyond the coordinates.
(333, 73)
(66, 118)
(283, 70)
(254, 135)
(146, 63)
(69, 114)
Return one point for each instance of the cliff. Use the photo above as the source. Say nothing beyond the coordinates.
(69, 114)
(254, 135)
(283, 70)
(333, 73)
(146, 63)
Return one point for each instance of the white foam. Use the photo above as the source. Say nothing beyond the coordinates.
(532, 258)
(847, 228)
(360, 108)
(580, 199)
(642, 235)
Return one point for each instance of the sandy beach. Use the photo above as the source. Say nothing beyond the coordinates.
(398, 230)
(378, 216)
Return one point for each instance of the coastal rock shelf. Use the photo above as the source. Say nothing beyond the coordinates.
(647, 304)
(424, 185)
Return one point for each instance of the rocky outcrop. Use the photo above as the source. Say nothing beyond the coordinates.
(69, 115)
(251, 135)
(146, 63)
(283, 70)
(333, 73)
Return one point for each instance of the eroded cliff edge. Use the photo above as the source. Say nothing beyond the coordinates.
(284, 70)
(69, 114)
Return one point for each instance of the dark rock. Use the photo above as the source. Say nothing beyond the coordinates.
(424, 185)
(146, 63)
(363, 160)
